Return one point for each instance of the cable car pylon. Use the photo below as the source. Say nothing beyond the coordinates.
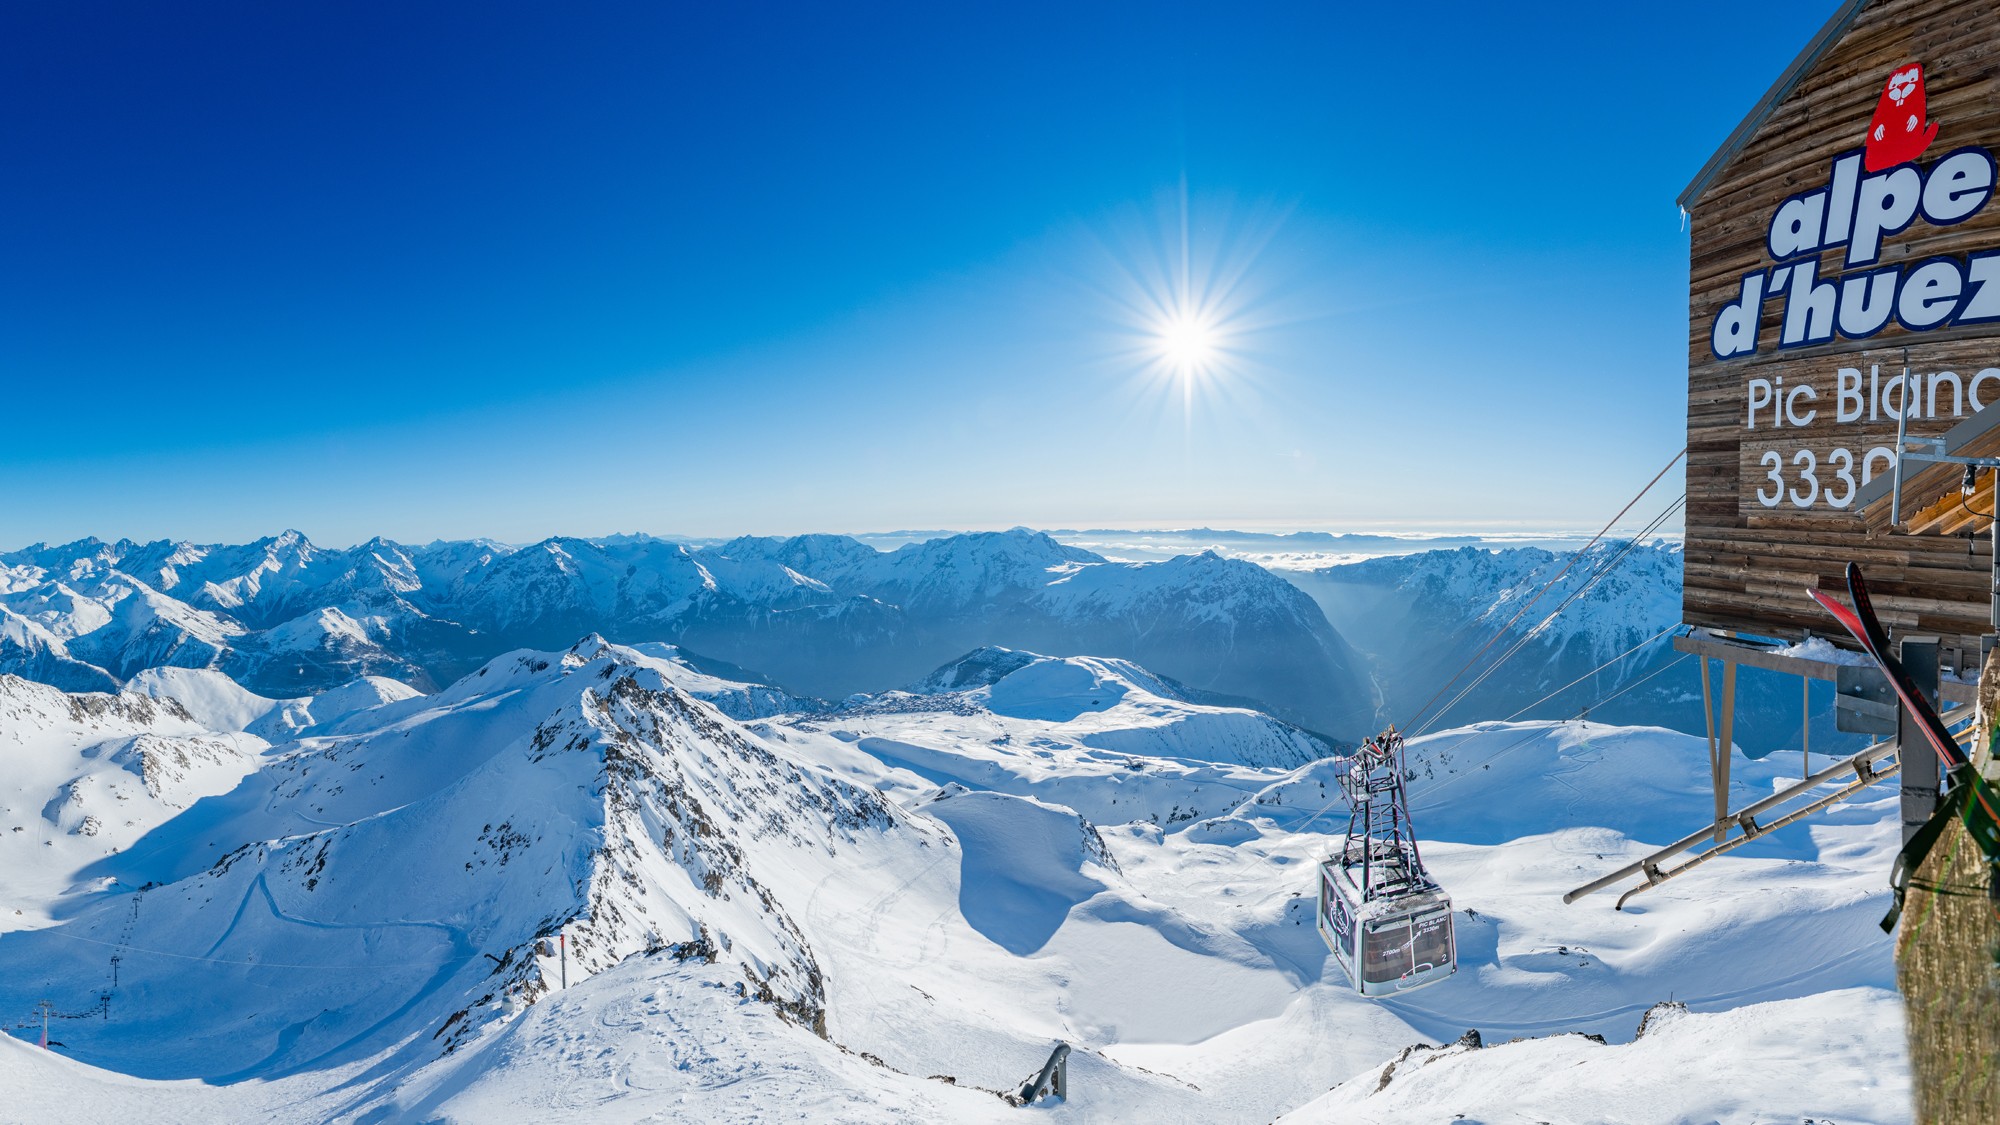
(1386, 920)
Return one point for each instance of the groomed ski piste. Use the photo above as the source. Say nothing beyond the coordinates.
(346, 908)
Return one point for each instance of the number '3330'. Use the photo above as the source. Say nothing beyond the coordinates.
(1805, 489)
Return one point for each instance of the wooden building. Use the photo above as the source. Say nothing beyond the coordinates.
(1846, 232)
(1844, 314)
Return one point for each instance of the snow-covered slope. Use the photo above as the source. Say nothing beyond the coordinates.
(1738, 1065)
(733, 691)
(117, 623)
(890, 908)
(29, 650)
(576, 793)
(84, 776)
(219, 703)
(1098, 703)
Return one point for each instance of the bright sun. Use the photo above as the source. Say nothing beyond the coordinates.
(1189, 315)
(1187, 342)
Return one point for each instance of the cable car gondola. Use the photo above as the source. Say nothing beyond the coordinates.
(1386, 920)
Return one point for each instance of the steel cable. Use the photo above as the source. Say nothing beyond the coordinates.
(1603, 571)
(1474, 659)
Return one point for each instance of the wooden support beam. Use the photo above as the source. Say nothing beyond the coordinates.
(1707, 714)
(1723, 747)
(1772, 659)
(1805, 727)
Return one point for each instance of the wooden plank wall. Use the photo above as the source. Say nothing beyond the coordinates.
(1748, 566)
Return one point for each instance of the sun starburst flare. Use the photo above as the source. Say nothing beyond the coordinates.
(1188, 305)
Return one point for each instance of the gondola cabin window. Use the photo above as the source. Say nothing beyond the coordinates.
(1387, 952)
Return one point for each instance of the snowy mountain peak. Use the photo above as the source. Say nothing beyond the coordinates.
(1098, 703)
(128, 710)
(1106, 678)
(982, 667)
(289, 541)
(1609, 595)
(578, 793)
(220, 704)
(1019, 546)
(817, 555)
(1551, 634)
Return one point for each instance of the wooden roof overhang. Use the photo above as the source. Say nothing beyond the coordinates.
(1830, 33)
(1934, 501)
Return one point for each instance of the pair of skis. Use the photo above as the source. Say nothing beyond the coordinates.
(1971, 798)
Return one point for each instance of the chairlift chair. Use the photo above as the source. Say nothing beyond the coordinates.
(1387, 921)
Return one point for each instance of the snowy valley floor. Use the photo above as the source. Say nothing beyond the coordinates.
(949, 880)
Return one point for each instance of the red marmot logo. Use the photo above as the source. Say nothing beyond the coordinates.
(1898, 132)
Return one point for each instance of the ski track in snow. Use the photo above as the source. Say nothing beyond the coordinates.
(274, 1066)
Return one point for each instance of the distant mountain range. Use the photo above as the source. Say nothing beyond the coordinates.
(1421, 617)
(1341, 650)
(814, 615)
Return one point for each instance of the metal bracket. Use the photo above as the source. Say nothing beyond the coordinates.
(1929, 449)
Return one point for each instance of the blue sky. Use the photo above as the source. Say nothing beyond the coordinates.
(516, 270)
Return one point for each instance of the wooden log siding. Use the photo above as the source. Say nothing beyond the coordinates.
(1748, 566)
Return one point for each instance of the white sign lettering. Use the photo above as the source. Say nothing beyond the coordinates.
(1821, 240)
